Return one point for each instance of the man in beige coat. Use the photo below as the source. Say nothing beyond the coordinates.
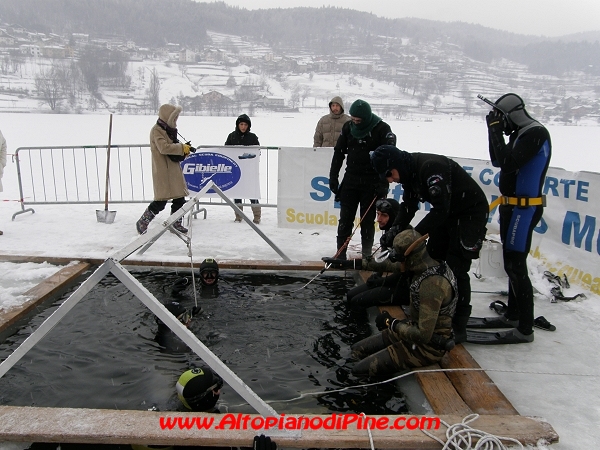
(167, 177)
(329, 126)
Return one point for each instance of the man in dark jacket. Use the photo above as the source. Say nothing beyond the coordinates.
(363, 133)
(456, 223)
(523, 165)
(243, 136)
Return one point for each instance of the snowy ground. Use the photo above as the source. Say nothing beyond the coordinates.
(549, 378)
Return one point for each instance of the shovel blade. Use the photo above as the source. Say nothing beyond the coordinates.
(105, 216)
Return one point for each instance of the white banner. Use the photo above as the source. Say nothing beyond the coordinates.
(566, 239)
(235, 170)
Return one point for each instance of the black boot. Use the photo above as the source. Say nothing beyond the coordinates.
(341, 241)
(179, 226)
(142, 224)
(459, 326)
(367, 248)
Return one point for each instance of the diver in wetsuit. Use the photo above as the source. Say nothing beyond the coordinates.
(523, 163)
(379, 289)
(424, 338)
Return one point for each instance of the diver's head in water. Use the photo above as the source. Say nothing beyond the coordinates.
(209, 272)
(199, 389)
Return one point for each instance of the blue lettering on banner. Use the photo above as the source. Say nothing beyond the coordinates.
(552, 187)
(572, 225)
(321, 186)
(486, 176)
(541, 227)
(202, 167)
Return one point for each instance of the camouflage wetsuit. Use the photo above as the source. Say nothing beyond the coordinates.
(433, 296)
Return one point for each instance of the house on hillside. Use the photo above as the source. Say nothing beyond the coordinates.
(30, 50)
(53, 51)
(6, 40)
(273, 103)
(80, 38)
(186, 55)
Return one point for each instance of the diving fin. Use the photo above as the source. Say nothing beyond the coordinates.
(504, 337)
(491, 322)
(542, 323)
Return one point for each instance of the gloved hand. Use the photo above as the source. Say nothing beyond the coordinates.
(381, 191)
(186, 149)
(390, 139)
(263, 442)
(334, 185)
(192, 149)
(393, 256)
(383, 320)
(355, 264)
(387, 240)
(494, 120)
(374, 279)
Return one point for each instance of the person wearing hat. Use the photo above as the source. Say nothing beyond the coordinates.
(523, 163)
(425, 336)
(242, 136)
(199, 389)
(456, 222)
(167, 176)
(330, 125)
(363, 133)
(379, 289)
(209, 272)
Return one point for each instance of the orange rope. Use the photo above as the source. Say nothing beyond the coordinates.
(349, 238)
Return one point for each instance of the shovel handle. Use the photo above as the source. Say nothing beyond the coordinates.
(108, 163)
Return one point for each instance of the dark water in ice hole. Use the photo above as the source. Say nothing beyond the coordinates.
(105, 354)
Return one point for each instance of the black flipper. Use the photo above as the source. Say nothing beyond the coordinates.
(491, 322)
(505, 337)
(499, 306)
(543, 324)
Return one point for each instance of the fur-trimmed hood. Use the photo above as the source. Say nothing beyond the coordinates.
(169, 114)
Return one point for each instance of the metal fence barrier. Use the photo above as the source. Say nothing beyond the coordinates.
(71, 175)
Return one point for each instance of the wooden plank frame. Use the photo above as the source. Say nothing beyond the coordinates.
(452, 395)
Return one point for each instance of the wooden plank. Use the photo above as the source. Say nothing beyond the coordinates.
(95, 426)
(44, 290)
(223, 264)
(441, 393)
(475, 387)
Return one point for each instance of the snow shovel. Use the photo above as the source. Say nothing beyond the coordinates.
(106, 216)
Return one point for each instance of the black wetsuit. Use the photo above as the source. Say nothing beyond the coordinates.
(523, 165)
(457, 220)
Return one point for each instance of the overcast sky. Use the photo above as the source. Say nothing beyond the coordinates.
(536, 17)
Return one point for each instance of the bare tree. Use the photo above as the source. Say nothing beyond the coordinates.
(304, 93)
(48, 86)
(153, 91)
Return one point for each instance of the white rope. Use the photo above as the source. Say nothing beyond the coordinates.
(462, 436)
(369, 431)
(189, 245)
(473, 369)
